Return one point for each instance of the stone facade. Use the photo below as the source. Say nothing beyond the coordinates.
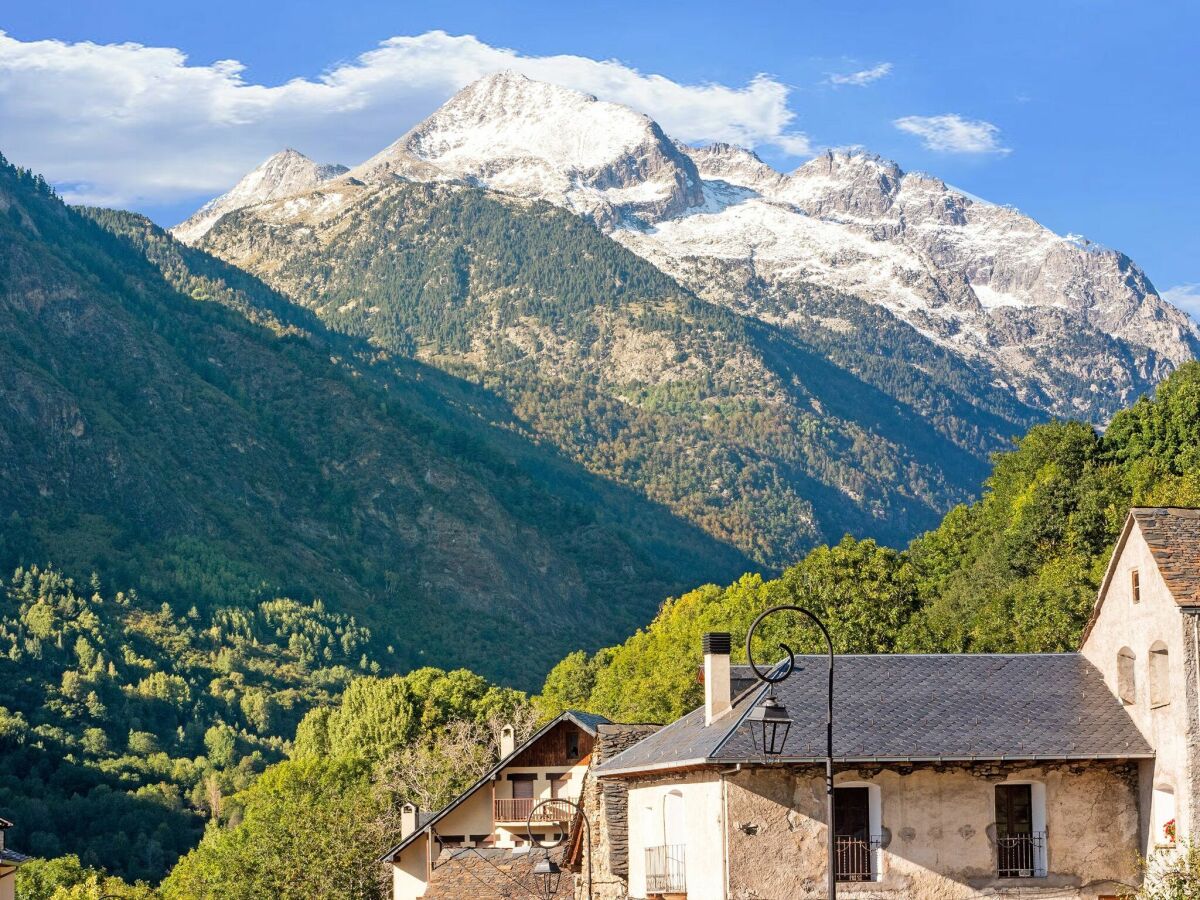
(937, 830)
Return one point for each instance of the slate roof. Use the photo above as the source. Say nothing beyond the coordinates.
(589, 722)
(470, 874)
(1174, 538)
(13, 858)
(932, 707)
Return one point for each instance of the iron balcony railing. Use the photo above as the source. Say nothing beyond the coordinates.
(1022, 855)
(517, 809)
(665, 867)
(855, 858)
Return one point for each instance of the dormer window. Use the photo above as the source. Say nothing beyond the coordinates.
(1135, 586)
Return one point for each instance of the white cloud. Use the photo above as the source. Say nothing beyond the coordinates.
(125, 123)
(863, 78)
(1186, 297)
(951, 133)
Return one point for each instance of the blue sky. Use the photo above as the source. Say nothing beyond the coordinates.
(1083, 113)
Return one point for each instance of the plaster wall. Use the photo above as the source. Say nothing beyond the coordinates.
(410, 872)
(938, 825)
(1121, 623)
(702, 825)
(472, 816)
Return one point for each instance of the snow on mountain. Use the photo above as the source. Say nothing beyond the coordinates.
(532, 139)
(282, 175)
(1073, 328)
(981, 279)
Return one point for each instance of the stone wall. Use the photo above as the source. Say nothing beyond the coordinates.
(606, 805)
(938, 832)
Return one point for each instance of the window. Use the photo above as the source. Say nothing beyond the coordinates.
(1020, 831)
(1126, 678)
(854, 843)
(1162, 814)
(666, 864)
(1160, 678)
(1135, 586)
(522, 788)
(572, 745)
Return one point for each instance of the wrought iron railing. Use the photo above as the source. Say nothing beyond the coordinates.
(517, 809)
(855, 858)
(1021, 855)
(665, 867)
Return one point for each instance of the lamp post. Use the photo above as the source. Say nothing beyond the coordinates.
(770, 723)
(547, 871)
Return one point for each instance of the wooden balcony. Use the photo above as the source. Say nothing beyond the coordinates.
(517, 810)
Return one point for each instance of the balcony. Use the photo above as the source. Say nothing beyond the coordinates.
(854, 858)
(517, 810)
(1021, 855)
(665, 869)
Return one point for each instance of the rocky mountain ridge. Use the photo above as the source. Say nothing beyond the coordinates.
(285, 173)
(1070, 327)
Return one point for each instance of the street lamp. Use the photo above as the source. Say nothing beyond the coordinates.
(546, 872)
(770, 723)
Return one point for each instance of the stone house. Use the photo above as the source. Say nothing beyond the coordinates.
(478, 845)
(9, 861)
(957, 776)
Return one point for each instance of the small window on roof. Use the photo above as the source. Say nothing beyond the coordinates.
(1126, 678)
(1135, 586)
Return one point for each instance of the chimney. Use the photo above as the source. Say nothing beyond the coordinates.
(408, 820)
(508, 741)
(716, 675)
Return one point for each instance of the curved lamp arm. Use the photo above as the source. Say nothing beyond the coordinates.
(586, 825)
(774, 677)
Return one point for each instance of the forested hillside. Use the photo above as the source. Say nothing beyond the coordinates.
(1015, 571)
(171, 423)
(123, 724)
(769, 438)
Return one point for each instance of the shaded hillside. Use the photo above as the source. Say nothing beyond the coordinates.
(769, 438)
(208, 457)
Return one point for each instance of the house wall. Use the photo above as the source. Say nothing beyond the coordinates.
(703, 818)
(1169, 729)
(938, 825)
(410, 872)
(606, 805)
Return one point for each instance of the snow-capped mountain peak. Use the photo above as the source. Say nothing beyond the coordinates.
(509, 133)
(1074, 328)
(281, 175)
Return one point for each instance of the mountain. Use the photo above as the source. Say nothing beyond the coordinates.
(745, 429)
(836, 349)
(1071, 328)
(168, 421)
(282, 175)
